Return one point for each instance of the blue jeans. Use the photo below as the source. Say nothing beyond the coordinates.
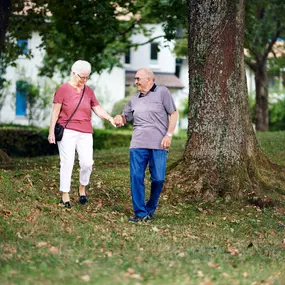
(139, 158)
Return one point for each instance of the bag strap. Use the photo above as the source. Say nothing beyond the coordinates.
(75, 108)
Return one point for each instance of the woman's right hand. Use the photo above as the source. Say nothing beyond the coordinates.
(51, 138)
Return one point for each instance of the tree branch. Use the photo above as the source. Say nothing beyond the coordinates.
(272, 42)
(148, 41)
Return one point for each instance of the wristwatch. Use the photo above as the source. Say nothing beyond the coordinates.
(169, 135)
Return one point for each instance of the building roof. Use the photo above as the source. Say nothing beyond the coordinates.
(166, 79)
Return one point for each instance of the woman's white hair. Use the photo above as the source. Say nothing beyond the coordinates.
(81, 66)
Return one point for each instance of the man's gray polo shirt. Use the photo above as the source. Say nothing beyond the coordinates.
(150, 114)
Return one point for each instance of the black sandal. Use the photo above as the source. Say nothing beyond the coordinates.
(82, 198)
(65, 204)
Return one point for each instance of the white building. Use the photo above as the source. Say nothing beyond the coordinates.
(109, 87)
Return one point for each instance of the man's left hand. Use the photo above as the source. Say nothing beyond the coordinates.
(166, 142)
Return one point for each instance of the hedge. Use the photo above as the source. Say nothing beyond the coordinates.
(25, 141)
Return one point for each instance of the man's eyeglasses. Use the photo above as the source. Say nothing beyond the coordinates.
(83, 77)
(139, 78)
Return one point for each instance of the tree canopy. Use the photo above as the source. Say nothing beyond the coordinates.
(96, 30)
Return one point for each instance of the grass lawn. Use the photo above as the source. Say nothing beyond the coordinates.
(191, 243)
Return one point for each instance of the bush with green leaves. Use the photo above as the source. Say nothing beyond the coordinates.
(25, 141)
(117, 109)
(277, 115)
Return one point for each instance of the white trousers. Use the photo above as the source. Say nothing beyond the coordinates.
(82, 143)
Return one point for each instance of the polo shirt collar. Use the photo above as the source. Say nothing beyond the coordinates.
(152, 89)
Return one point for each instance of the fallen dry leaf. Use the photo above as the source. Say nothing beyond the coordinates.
(85, 278)
(213, 265)
(155, 229)
(226, 275)
(131, 274)
(200, 273)
(108, 254)
(41, 244)
(181, 254)
(87, 262)
(206, 282)
(231, 250)
(193, 237)
(54, 249)
(19, 235)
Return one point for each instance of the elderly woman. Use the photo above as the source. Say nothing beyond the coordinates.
(78, 132)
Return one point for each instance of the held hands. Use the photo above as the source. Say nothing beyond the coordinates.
(166, 142)
(118, 120)
(111, 120)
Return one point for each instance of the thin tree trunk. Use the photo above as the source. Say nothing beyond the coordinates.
(221, 154)
(261, 105)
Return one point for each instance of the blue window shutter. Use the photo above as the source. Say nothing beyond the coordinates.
(21, 103)
(24, 45)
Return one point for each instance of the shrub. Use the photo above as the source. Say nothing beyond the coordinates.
(4, 158)
(24, 141)
(103, 139)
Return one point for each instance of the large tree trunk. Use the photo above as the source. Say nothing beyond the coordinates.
(221, 154)
(4, 13)
(261, 87)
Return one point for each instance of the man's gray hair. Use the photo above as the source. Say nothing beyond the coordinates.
(81, 66)
(148, 72)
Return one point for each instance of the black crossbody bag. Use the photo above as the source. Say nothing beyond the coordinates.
(59, 129)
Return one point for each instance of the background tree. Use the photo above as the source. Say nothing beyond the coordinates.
(265, 24)
(4, 14)
(221, 155)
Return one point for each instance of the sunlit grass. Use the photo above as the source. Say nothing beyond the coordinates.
(189, 243)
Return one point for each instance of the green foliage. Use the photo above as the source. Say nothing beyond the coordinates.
(104, 139)
(277, 115)
(97, 30)
(264, 24)
(119, 106)
(92, 30)
(26, 141)
(181, 47)
(4, 86)
(276, 112)
(185, 110)
(276, 65)
(37, 101)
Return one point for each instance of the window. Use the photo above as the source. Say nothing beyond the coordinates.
(154, 51)
(178, 64)
(128, 57)
(21, 99)
(23, 44)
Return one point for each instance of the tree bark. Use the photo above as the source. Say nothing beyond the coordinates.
(221, 154)
(261, 105)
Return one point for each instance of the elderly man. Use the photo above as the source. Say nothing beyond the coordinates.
(154, 114)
